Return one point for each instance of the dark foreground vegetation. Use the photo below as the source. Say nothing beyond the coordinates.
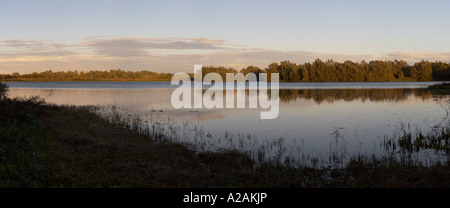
(45, 145)
(317, 71)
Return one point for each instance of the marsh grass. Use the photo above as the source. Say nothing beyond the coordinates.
(417, 147)
(196, 138)
(414, 146)
(406, 146)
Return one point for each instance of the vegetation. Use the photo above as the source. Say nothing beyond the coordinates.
(3, 91)
(317, 71)
(374, 71)
(440, 89)
(44, 145)
(111, 75)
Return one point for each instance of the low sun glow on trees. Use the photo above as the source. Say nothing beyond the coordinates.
(317, 71)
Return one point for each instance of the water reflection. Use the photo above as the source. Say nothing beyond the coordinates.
(362, 118)
(145, 101)
(150, 99)
(374, 95)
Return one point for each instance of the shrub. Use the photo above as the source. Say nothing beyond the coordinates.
(3, 90)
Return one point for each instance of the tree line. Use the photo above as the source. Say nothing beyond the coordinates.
(317, 71)
(348, 71)
(95, 75)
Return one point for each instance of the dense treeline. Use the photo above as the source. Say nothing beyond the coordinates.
(111, 75)
(317, 71)
(374, 71)
(331, 71)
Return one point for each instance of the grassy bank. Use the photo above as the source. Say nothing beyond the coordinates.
(44, 145)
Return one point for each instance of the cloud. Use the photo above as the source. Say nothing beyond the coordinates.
(37, 45)
(21, 49)
(161, 55)
(23, 43)
(412, 57)
(140, 53)
(139, 47)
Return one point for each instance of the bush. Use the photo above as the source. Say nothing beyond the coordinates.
(3, 90)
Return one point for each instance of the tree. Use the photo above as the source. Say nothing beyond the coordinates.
(252, 69)
(413, 73)
(401, 76)
(305, 72)
(425, 72)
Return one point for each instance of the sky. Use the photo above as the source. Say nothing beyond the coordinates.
(172, 36)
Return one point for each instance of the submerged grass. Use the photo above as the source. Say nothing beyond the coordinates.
(44, 145)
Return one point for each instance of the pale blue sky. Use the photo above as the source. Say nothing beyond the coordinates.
(69, 35)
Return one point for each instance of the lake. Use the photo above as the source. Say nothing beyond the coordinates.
(316, 121)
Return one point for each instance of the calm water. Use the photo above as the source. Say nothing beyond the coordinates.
(315, 119)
